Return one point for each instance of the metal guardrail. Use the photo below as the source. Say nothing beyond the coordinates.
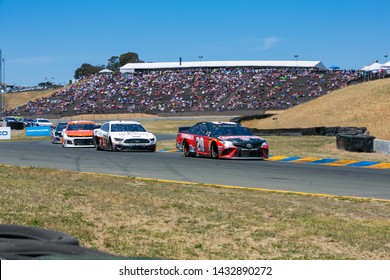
(381, 146)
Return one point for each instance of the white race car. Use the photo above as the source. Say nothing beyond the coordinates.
(42, 122)
(124, 135)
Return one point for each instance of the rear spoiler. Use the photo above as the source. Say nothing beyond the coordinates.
(183, 128)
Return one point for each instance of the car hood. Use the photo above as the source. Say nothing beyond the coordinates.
(83, 133)
(129, 134)
(243, 139)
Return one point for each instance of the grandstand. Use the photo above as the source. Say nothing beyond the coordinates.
(229, 87)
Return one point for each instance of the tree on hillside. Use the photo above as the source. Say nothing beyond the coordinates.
(129, 57)
(113, 63)
(87, 69)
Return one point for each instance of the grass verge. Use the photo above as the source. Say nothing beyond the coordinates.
(132, 217)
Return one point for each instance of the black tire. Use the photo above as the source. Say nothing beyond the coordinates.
(214, 151)
(20, 233)
(111, 147)
(97, 146)
(186, 150)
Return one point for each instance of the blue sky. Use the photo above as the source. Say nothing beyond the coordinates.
(50, 39)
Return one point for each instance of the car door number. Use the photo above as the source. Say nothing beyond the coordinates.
(200, 144)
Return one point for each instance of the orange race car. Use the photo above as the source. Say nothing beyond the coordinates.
(78, 134)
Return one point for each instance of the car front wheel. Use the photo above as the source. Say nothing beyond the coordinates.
(214, 151)
(111, 146)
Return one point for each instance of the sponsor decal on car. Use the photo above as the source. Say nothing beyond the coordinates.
(187, 136)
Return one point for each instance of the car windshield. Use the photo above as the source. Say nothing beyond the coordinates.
(230, 130)
(81, 126)
(127, 127)
(60, 126)
(45, 121)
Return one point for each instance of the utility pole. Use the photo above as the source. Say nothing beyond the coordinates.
(296, 60)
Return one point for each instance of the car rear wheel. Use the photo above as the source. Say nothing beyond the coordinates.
(97, 146)
(186, 150)
(214, 151)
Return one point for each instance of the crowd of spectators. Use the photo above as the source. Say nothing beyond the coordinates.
(188, 90)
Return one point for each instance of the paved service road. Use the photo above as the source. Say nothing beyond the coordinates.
(346, 181)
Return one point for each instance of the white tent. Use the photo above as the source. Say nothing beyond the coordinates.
(373, 67)
(105, 71)
(386, 65)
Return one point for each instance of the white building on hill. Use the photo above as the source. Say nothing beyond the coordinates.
(132, 67)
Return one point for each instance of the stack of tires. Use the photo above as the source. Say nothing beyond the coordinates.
(355, 142)
(16, 125)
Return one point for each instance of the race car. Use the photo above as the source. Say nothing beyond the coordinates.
(124, 135)
(56, 133)
(78, 134)
(224, 140)
(42, 122)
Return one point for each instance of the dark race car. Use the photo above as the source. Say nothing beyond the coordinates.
(225, 140)
(56, 133)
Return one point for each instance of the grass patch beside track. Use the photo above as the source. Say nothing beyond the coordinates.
(132, 217)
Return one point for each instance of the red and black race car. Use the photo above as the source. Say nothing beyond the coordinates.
(225, 140)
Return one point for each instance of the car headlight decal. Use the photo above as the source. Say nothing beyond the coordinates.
(227, 144)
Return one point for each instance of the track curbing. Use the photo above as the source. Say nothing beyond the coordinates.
(333, 162)
(320, 161)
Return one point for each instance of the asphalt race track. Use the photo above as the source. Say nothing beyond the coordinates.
(344, 181)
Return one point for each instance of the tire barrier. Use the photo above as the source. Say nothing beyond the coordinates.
(355, 142)
(16, 125)
(279, 132)
(251, 117)
(333, 130)
(27, 243)
(311, 131)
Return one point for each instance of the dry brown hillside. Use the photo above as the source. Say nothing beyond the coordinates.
(21, 98)
(366, 105)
